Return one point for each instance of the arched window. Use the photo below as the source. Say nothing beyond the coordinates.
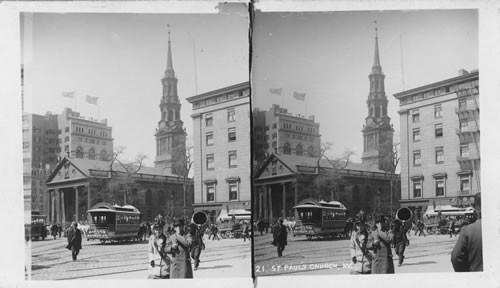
(170, 115)
(377, 111)
(92, 154)
(163, 115)
(79, 152)
(286, 149)
(310, 151)
(371, 111)
(104, 155)
(298, 150)
(177, 115)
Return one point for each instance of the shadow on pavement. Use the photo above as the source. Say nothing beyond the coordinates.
(420, 263)
(38, 267)
(214, 267)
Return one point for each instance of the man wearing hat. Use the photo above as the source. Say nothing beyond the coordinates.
(178, 246)
(159, 263)
(382, 239)
(279, 237)
(197, 245)
(359, 245)
(74, 240)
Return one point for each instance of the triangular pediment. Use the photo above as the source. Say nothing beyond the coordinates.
(66, 170)
(272, 167)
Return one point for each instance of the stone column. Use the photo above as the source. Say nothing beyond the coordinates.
(63, 212)
(57, 207)
(283, 211)
(270, 192)
(77, 213)
(259, 193)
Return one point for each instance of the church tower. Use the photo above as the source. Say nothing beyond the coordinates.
(377, 130)
(170, 134)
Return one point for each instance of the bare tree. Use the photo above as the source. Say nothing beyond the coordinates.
(390, 163)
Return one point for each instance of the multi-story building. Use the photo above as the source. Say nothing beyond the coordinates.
(377, 130)
(281, 132)
(440, 157)
(81, 137)
(170, 134)
(221, 141)
(40, 156)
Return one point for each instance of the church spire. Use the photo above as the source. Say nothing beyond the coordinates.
(169, 73)
(376, 61)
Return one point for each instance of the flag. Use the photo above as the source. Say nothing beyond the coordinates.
(276, 91)
(299, 96)
(69, 94)
(91, 100)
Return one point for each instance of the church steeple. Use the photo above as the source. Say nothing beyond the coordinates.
(377, 131)
(170, 134)
(169, 73)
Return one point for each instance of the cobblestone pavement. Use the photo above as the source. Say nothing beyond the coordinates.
(129, 260)
(332, 256)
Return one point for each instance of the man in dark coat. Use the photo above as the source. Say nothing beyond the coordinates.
(178, 246)
(467, 255)
(382, 258)
(400, 240)
(279, 237)
(74, 240)
(197, 245)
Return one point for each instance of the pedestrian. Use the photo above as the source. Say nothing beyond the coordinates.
(420, 228)
(400, 240)
(197, 245)
(215, 232)
(246, 232)
(59, 229)
(467, 255)
(260, 226)
(178, 246)
(451, 228)
(159, 262)
(279, 237)
(359, 245)
(382, 256)
(54, 230)
(74, 240)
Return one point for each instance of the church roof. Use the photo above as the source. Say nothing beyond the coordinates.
(85, 165)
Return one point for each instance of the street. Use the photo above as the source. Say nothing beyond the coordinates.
(129, 260)
(332, 256)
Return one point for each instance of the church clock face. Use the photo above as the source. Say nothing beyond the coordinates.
(162, 125)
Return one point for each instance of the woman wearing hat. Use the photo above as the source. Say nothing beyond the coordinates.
(159, 263)
(178, 246)
(382, 257)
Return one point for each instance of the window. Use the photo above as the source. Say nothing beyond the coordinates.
(210, 162)
(66, 139)
(210, 138)
(275, 126)
(209, 121)
(462, 104)
(438, 130)
(66, 129)
(92, 154)
(298, 150)
(464, 185)
(233, 160)
(211, 192)
(464, 151)
(417, 188)
(417, 161)
(310, 151)
(415, 116)
(231, 134)
(438, 111)
(439, 186)
(416, 134)
(464, 125)
(79, 152)
(233, 191)
(286, 149)
(103, 155)
(231, 115)
(275, 135)
(439, 155)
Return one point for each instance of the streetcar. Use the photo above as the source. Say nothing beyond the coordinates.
(320, 219)
(113, 222)
(437, 220)
(38, 228)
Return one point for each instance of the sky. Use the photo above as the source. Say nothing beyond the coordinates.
(121, 58)
(329, 55)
